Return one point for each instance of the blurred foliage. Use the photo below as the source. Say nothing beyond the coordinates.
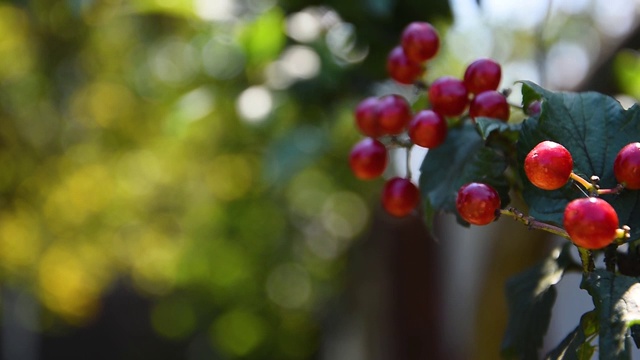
(626, 66)
(173, 145)
(195, 150)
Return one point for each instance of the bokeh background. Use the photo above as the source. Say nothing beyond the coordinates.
(174, 183)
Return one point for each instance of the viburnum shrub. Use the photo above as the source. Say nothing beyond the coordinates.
(573, 158)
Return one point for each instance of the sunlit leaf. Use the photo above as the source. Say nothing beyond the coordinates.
(617, 301)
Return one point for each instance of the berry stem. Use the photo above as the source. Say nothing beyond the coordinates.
(420, 86)
(394, 142)
(532, 223)
(616, 190)
(408, 162)
(580, 180)
(586, 256)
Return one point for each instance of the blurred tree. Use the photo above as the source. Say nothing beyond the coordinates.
(188, 157)
(192, 151)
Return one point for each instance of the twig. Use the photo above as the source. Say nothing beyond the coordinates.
(532, 223)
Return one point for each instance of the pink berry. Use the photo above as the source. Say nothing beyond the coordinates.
(477, 203)
(366, 115)
(368, 159)
(482, 75)
(400, 197)
(626, 166)
(420, 41)
(491, 104)
(448, 96)
(401, 68)
(428, 129)
(534, 108)
(394, 113)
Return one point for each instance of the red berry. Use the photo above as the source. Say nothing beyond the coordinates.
(477, 203)
(448, 96)
(400, 196)
(368, 159)
(482, 75)
(401, 68)
(428, 129)
(394, 113)
(548, 165)
(491, 104)
(366, 116)
(626, 167)
(420, 41)
(590, 222)
(534, 108)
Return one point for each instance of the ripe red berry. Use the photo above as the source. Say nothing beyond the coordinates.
(428, 129)
(400, 196)
(482, 75)
(420, 41)
(401, 68)
(477, 203)
(366, 115)
(368, 159)
(548, 165)
(448, 96)
(626, 166)
(590, 222)
(490, 104)
(394, 113)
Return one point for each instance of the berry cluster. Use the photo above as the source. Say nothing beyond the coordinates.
(389, 121)
(590, 222)
(449, 96)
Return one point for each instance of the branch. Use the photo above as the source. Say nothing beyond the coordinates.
(532, 223)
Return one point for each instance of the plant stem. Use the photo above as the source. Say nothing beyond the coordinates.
(408, 164)
(586, 256)
(532, 223)
(611, 257)
(396, 142)
(587, 185)
(616, 190)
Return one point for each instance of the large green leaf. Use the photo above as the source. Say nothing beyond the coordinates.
(617, 302)
(488, 127)
(530, 297)
(461, 159)
(593, 127)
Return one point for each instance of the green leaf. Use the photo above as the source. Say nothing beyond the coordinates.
(593, 127)
(576, 345)
(488, 127)
(461, 159)
(530, 297)
(585, 352)
(529, 95)
(617, 302)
